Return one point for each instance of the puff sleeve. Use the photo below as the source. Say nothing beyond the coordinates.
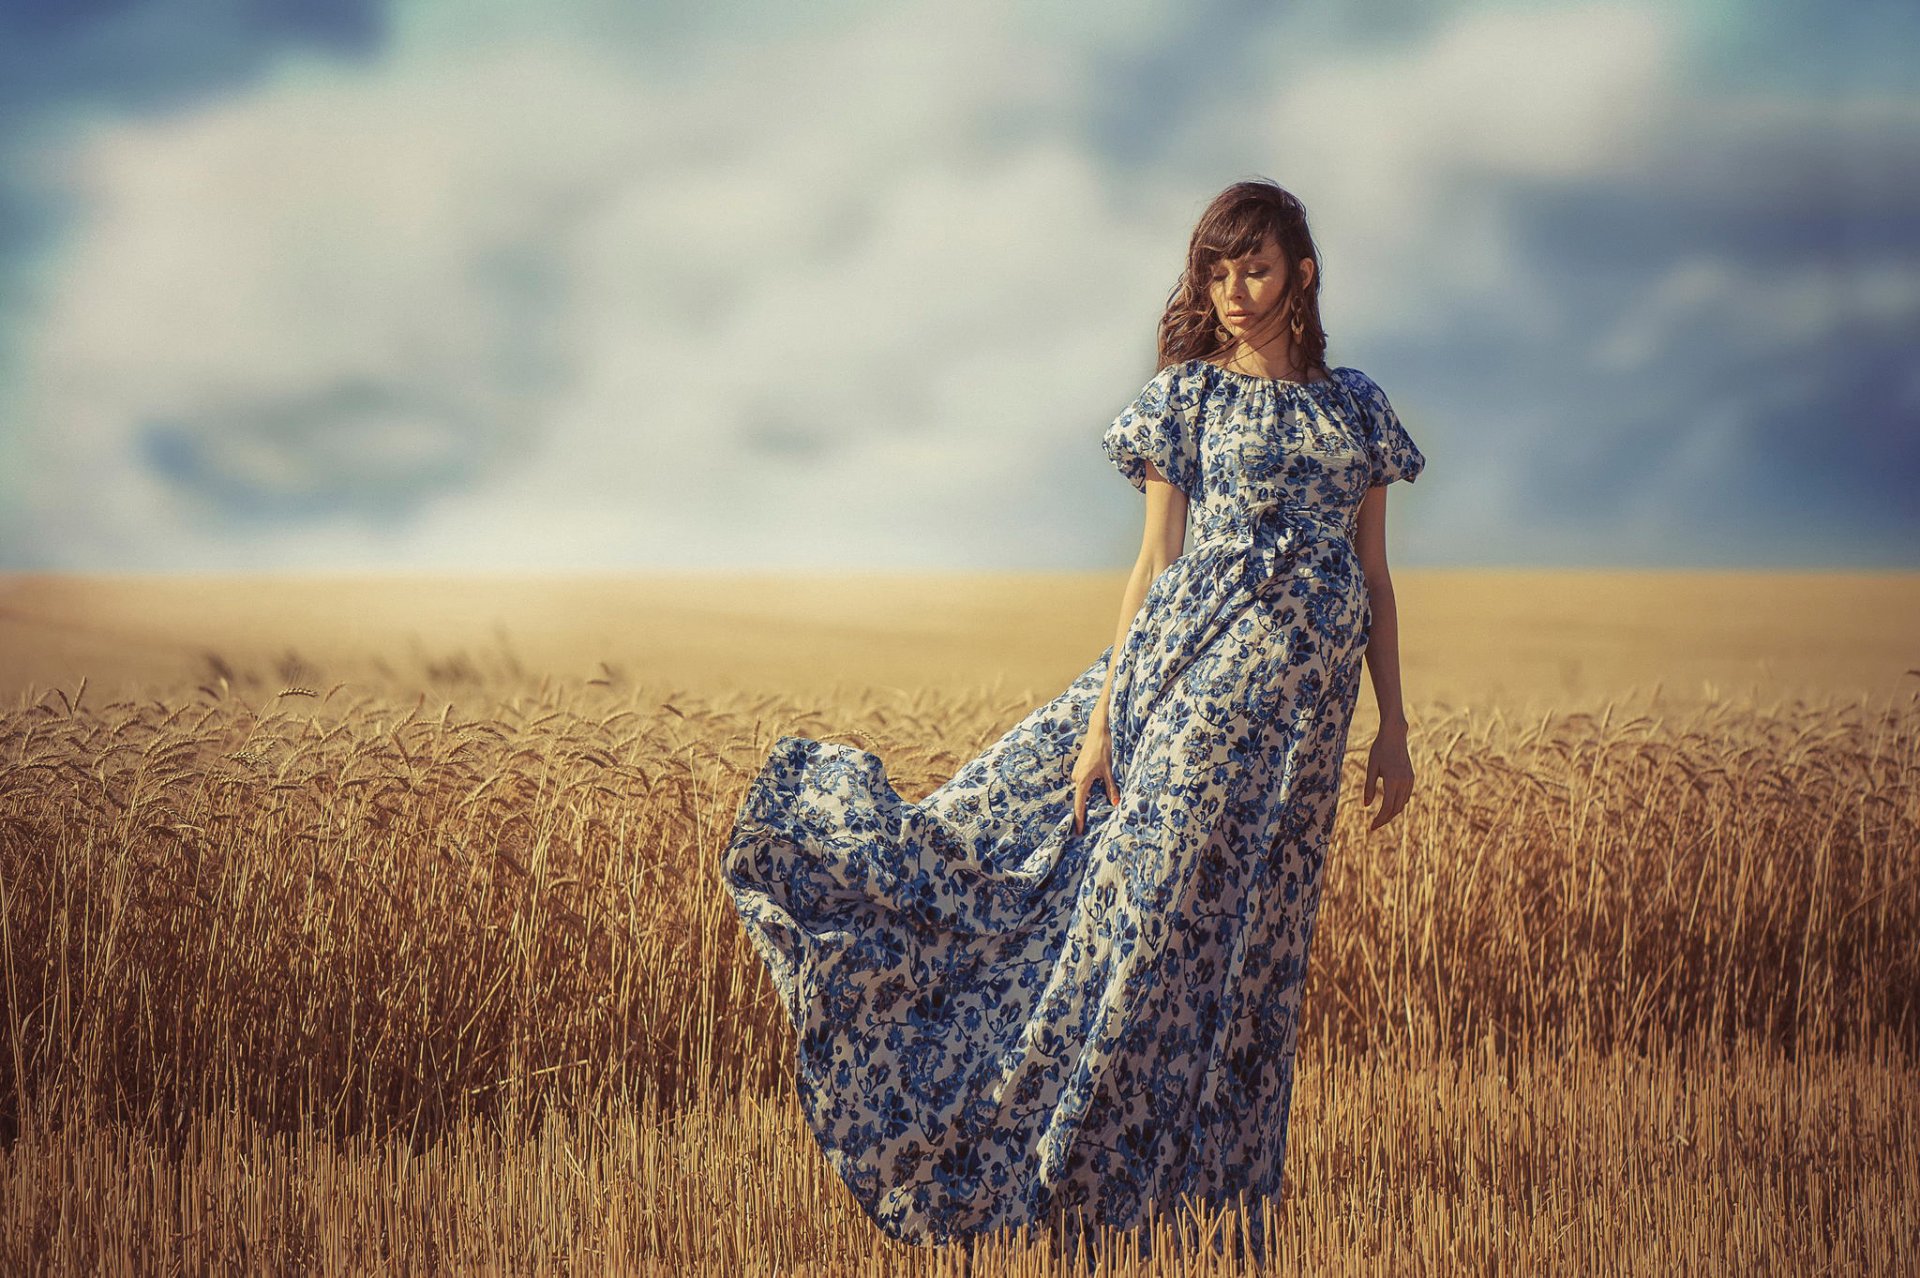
(1158, 426)
(1391, 452)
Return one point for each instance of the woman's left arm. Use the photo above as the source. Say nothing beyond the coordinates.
(1387, 762)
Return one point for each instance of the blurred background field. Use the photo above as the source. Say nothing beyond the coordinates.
(371, 924)
(1476, 637)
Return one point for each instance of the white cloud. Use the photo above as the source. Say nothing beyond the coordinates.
(558, 301)
(1407, 157)
(1773, 312)
(605, 282)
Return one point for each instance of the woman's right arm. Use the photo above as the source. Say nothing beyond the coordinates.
(1163, 542)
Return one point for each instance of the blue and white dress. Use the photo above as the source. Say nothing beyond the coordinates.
(1000, 1021)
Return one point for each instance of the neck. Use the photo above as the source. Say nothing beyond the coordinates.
(1276, 359)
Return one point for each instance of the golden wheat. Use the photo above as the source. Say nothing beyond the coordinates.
(240, 938)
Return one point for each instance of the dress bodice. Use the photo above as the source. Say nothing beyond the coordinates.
(1276, 467)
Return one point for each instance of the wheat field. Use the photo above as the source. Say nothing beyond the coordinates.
(422, 964)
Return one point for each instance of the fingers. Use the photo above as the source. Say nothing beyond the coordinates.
(1083, 790)
(1394, 795)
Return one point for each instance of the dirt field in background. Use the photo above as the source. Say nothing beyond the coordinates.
(1468, 638)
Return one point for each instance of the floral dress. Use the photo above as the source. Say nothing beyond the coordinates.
(1000, 1021)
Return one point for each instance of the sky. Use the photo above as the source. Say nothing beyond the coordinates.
(579, 286)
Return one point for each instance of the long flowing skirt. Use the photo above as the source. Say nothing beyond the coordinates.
(1000, 1021)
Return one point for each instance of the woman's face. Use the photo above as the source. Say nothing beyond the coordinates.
(1247, 293)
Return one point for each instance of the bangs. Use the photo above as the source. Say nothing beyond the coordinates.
(1240, 232)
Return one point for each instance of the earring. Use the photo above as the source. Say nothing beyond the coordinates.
(1299, 321)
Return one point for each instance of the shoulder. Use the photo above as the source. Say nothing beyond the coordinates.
(1365, 391)
(1176, 387)
(1355, 380)
(1182, 372)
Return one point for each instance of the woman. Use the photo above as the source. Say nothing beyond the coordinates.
(1066, 985)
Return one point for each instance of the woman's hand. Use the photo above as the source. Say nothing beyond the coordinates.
(1388, 764)
(1094, 765)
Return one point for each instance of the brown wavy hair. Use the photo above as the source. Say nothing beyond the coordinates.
(1235, 224)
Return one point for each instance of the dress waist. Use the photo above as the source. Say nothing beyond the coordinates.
(1272, 540)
